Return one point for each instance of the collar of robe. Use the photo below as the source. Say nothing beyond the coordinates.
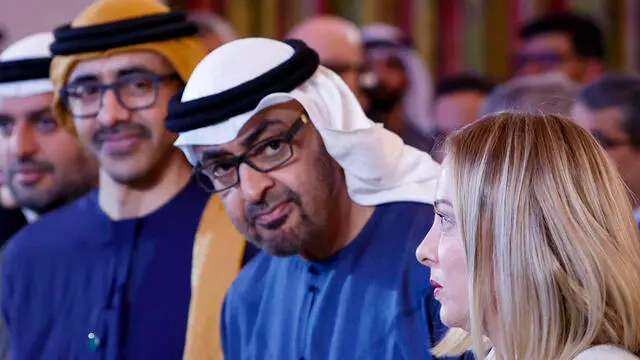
(149, 28)
(22, 70)
(216, 108)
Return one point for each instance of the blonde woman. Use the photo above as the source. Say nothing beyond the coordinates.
(534, 246)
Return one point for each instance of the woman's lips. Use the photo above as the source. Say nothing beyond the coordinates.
(436, 288)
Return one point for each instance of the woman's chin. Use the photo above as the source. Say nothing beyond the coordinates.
(453, 317)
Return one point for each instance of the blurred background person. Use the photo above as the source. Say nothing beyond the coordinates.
(46, 166)
(458, 99)
(610, 109)
(339, 44)
(566, 42)
(544, 93)
(213, 30)
(549, 93)
(43, 165)
(402, 98)
(533, 245)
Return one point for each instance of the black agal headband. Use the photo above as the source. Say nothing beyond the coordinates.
(22, 70)
(139, 30)
(217, 108)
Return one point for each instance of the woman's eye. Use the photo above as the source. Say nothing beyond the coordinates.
(445, 221)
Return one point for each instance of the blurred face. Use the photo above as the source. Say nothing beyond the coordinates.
(211, 41)
(45, 165)
(442, 250)
(392, 80)
(124, 131)
(455, 110)
(346, 59)
(606, 127)
(281, 209)
(340, 49)
(550, 52)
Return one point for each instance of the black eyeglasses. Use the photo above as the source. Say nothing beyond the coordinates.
(133, 92)
(266, 155)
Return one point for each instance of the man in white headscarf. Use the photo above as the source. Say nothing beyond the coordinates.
(402, 98)
(108, 275)
(338, 203)
(43, 166)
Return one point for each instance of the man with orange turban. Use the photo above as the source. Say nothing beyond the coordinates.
(108, 276)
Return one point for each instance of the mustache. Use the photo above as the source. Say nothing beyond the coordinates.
(30, 163)
(270, 199)
(104, 132)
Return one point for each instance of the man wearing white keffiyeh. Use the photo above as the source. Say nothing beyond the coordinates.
(402, 98)
(43, 165)
(337, 202)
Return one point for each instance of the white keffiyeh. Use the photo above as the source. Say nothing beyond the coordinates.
(418, 98)
(379, 167)
(31, 47)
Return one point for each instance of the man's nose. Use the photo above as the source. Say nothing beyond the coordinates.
(111, 111)
(23, 142)
(254, 184)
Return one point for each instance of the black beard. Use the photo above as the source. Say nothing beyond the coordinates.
(382, 102)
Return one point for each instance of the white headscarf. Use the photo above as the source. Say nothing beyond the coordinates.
(379, 167)
(418, 98)
(31, 47)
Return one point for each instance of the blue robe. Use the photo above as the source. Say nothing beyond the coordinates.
(371, 300)
(77, 285)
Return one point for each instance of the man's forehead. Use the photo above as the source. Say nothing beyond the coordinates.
(381, 53)
(282, 111)
(336, 47)
(110, 66)
(548, 41)
(277, 117)
(602, 119)
(25, 104)
(609, 117)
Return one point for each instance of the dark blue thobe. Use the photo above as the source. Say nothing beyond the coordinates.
(77, 285)
(371, 300)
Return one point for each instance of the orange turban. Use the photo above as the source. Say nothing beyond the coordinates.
(184, 53)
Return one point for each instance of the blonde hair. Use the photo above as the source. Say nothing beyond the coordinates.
(550, 239)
